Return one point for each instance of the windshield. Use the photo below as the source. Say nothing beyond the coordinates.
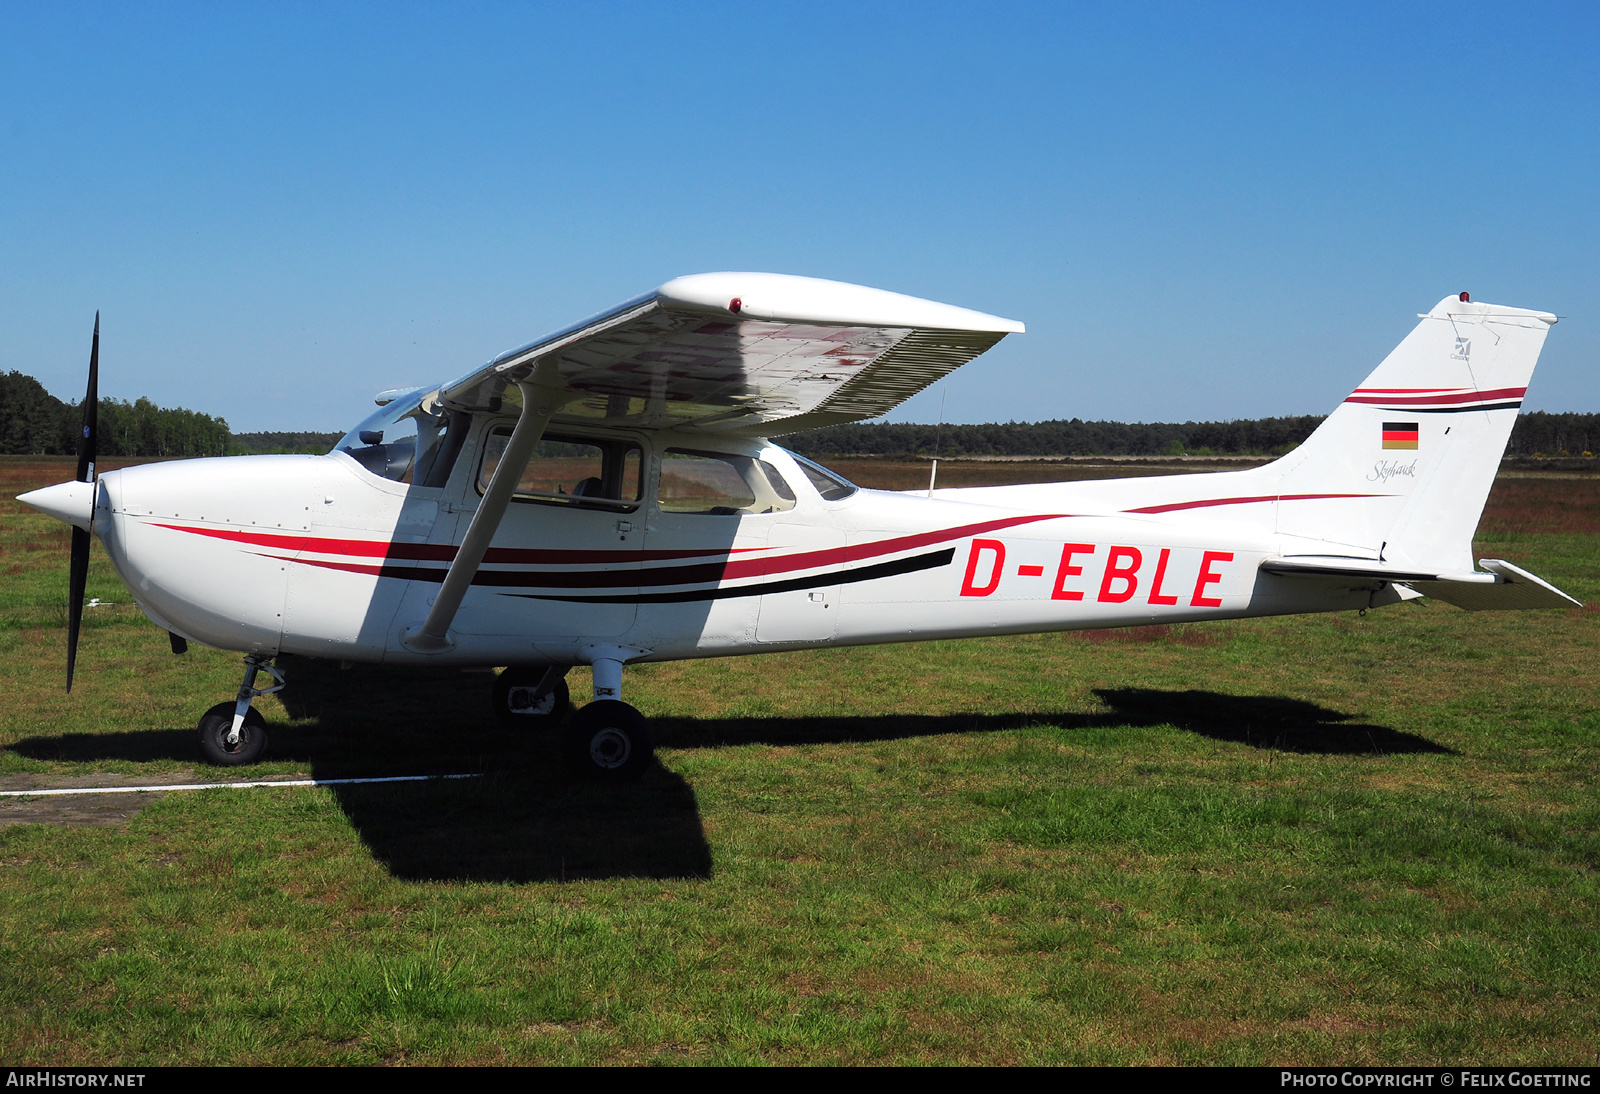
(412, 440)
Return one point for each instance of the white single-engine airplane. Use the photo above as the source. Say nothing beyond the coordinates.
(606, 496)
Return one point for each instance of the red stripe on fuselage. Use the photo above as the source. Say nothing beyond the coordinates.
(761, 567)
(444, 552)
(1172, 506)
(710, 571)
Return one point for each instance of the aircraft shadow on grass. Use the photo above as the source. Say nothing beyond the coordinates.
(1268, 722)
(525, 820)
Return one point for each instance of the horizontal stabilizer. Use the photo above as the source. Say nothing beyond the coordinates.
(1504, 587)
(1371, 569)
(1513, 588)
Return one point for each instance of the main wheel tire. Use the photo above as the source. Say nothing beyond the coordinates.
(514, 704)
(214, 727)
(608, 741)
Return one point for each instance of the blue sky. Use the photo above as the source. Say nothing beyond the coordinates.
(1200, 211)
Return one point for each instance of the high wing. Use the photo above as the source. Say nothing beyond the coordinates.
(742, 353)
(732, 352)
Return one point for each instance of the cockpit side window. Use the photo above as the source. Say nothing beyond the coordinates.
(832, 487)
(719, 484)
(575, 471)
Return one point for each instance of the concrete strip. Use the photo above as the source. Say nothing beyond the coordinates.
(224, 786)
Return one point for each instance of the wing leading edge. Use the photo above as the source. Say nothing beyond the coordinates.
(743, 352)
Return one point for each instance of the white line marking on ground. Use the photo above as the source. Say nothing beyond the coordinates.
(225, 786)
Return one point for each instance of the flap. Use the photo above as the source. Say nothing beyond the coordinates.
(757, 353)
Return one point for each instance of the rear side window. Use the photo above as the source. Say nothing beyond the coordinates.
(575, 471)
(718, 484)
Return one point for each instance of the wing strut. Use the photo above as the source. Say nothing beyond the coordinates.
(538, 403)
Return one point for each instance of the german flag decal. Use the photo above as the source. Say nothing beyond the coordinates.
(1400, 434)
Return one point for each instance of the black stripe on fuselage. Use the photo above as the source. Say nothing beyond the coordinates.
(563, 579)
(931, 561)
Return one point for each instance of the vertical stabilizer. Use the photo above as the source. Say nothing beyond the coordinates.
(1418, 442)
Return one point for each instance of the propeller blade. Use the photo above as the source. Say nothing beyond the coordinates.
(87, 442)
(87, 448)
(80, 576)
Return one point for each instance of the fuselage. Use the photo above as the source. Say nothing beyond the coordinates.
(323, 556)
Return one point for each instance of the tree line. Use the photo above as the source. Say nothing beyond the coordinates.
(1536, 433)
(1073, 437)
(1544, 434)
(34, 422)
(260, 444)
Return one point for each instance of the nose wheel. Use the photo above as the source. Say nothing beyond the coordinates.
(232, 734)
(215, 728)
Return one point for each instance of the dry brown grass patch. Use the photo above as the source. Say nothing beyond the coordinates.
(1334, 1024)
(1537, 505)
(1160, 632)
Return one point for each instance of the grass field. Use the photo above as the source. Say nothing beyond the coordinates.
(1334, 839)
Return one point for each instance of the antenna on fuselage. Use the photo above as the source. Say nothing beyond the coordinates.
(938, 435)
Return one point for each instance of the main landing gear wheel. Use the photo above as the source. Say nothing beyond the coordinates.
(608, 741)
(214, 727)
(517, 702)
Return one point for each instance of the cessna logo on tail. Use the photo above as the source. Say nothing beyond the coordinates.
(1463, 349)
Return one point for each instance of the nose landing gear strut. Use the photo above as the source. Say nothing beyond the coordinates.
(234, 733)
